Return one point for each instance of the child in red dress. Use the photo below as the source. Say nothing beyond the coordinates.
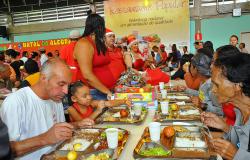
(83, 105)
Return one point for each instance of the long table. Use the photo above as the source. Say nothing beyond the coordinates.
(135, 134)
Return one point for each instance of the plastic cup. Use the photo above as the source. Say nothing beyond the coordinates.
(137, 109)
(112, 137)
(161, 85)
(155, 131)
(164, 107)
(164, 94)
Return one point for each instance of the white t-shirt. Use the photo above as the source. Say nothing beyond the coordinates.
(43, 58)
(24, 59)
(26, 115)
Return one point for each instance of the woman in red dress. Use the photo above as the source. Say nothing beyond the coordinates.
(153, 76)
(135, 54)
(93, 61)
(117, 65)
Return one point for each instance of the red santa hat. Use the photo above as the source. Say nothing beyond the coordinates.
(131, 39)
(162, 46)
(109, 32)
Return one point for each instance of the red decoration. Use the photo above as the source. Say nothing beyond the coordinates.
(198, 36)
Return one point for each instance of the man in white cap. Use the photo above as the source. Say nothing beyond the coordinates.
(66, 52)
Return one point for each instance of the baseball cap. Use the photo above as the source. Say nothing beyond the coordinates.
(74, 34)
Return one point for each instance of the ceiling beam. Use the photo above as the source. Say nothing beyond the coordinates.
(24, 2)
(8, 3)
(4, 2)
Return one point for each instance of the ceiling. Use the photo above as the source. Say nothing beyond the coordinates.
(29, 5)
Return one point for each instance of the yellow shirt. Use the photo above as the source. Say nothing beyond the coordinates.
(33, 78)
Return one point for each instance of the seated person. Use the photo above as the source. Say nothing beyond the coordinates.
(133, 58)
(34, 115)
(200, 67)
(5, 77)
(35, 57)
(194, 76)
(208, 98)
(228, 108)
(179, 74)
(13, 73)
(157, 55)
(83, 105)
(174, 57)
(230, 87)
(15, 63)
(50, 55)
(5, 151)
(31, 73)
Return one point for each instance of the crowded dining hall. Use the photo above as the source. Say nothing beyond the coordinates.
(124, 79)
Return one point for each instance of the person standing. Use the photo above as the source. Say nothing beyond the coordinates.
(234, 40)
(117, 65)
(242, 48)
(92, 59)
(67, 53)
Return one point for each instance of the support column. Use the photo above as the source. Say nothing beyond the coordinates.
(198, 18)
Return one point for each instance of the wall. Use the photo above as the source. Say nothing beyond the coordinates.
(43, 36)
(4, 40)
(65, 33)
(192, 33)
(219, 30)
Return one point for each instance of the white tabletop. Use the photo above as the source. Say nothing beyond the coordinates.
(136, 130)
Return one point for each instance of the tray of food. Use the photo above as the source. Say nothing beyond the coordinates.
(175, 112)
(126, 89)
(176, 141)
(88, 143)
(173, 97)
(122, 114)
(174, 89)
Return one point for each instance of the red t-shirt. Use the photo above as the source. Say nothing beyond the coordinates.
(164, 56)
(66, 54)
(116, 65)
(87, 114)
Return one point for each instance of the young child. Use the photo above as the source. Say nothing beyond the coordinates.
(83, 105)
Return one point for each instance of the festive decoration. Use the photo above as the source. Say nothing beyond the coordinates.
(131, 79)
